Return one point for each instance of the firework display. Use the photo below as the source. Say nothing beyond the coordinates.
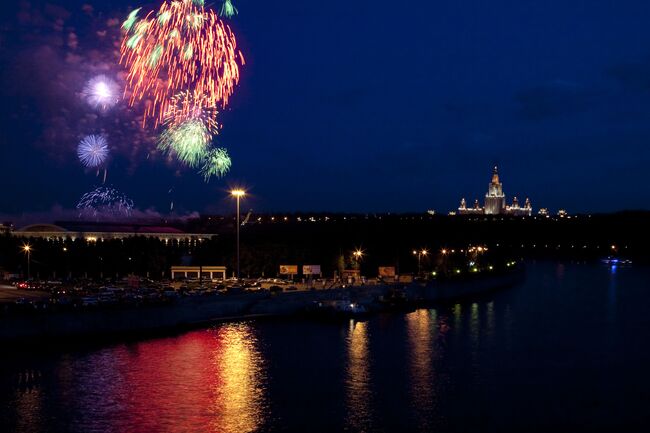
(217, 163)
(182, 47)
(182, 66)
(189, 141)
(93, 150)
(105, 202)
(102, 92)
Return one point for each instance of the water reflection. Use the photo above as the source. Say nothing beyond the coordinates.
(421, 328)
(239, 393)
(475, 334)
(200, 382)
(490, 324)
(359, 395)
(611, 295)
(28, 401)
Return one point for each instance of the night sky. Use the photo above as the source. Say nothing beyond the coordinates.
(351, 106)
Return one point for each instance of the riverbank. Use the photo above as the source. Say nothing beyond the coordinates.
(196, 311)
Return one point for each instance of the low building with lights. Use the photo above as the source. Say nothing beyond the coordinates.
(94, 231)
(495, 202)
(213, 273)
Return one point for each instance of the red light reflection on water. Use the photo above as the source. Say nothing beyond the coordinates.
(204, 381)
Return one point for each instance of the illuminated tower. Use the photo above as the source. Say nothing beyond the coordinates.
(528, 207)
(495, 200)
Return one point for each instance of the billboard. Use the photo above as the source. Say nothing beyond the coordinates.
(288, 269)
(311, 270)
(387, 271)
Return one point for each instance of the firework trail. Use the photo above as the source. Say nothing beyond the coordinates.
(228, 10)
(101, 92)
(189, 141)
(181, 47)
(217, 163)
(105, 202)
(93, 150)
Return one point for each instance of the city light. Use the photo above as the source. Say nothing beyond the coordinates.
(419, 254)
(358, 254)
(238, 193)
(28, 250)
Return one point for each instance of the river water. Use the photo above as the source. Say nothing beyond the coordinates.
(566, 350)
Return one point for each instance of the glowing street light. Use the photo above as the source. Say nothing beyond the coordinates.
(420, 253)
(238, 194)
(358, 254)
(28, 250)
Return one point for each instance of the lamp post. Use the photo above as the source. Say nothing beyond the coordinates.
(420, 253)
(358, 255)
(238, 194)
(28, 249)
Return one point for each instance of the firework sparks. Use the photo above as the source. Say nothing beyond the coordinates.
(217, 163)
(184, 46)
(105, 202)
(131, 20)
(93, 150)
(101, 92)
(189, 141)
(228, 10)
(186, 106)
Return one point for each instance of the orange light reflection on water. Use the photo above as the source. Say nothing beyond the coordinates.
(358, 393)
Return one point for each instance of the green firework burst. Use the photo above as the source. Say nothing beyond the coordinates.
(228, 10)
(189, 141)
(217, 163)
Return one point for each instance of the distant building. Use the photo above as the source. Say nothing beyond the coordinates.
(196, 272)
(93, 231)
(475, 210)
(495, 202)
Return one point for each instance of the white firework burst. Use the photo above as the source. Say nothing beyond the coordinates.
(102, 92)
(93, 150)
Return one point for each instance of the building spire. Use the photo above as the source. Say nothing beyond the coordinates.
(495, 175)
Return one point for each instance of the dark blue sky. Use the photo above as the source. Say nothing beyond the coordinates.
(359, 106)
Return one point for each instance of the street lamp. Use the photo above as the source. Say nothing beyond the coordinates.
(358, 255)
(238, 194)
(28, 249)
(420, 253)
